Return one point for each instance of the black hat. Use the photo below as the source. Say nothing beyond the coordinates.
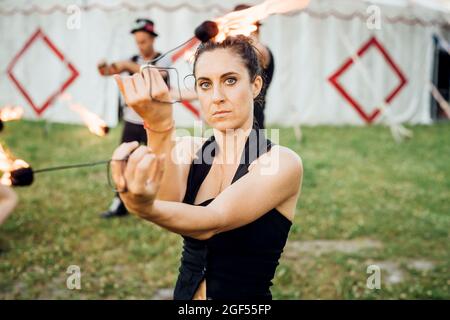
(145, 25)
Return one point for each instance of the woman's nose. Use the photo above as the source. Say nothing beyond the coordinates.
(218, 95)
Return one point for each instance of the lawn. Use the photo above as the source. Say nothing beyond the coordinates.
(366, 200)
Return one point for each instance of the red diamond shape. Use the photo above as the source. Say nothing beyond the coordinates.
(74, 73)
(335, 82)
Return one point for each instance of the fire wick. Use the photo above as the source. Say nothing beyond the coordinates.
(207, 30)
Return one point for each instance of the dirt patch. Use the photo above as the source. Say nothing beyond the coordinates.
(163, 294)
(297, 249)
(421, 265)
(392, 272)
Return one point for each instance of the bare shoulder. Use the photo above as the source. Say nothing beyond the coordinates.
(280, 165)
(287, 155)
(281, 159)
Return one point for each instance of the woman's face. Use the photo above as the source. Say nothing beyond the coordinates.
(225, 90)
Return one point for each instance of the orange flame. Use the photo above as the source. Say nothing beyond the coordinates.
(95, 124)
(9, 163)
(243, 22)
(10, 112)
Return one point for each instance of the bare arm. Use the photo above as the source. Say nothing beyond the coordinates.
(8, 201)
(118, 67)
(160, 130)
(126, 65)
(230, 209)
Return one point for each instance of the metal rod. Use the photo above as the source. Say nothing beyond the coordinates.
(71, 166)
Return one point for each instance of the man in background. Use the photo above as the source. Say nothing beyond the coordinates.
(133, 129)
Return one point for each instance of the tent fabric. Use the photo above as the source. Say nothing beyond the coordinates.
(315, 80)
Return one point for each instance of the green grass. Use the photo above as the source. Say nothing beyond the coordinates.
(358, 183)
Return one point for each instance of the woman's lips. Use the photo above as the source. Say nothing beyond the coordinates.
(220, 113)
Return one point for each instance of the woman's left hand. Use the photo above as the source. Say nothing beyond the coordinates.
(138, 178)
(149, 96)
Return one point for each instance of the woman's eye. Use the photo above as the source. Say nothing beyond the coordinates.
(204, 85)
(230, 81)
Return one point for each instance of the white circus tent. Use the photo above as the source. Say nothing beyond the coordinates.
(335, 63)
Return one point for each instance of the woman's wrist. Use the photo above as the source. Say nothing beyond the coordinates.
(163, 126)
(141, 208)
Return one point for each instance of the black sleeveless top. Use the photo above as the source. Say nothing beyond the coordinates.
(240, 263)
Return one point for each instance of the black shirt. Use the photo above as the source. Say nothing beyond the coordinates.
(240, 263)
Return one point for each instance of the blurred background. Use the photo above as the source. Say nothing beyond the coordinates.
(360, 91)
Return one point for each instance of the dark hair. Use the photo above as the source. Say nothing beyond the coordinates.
(241, 45)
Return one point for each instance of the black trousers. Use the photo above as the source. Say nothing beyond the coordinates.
(134, 132)
(131, 132)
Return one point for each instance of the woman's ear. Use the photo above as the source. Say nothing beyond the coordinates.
(257, 86)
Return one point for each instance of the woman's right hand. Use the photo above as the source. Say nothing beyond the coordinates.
(149, 96)
(138, 178)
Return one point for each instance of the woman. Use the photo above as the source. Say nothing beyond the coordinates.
(233, 206)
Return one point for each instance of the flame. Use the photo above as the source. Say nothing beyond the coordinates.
(9, 163)
(10, 112)
(95, 124)
(244, 21)
(245, 28)
(6, 179)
